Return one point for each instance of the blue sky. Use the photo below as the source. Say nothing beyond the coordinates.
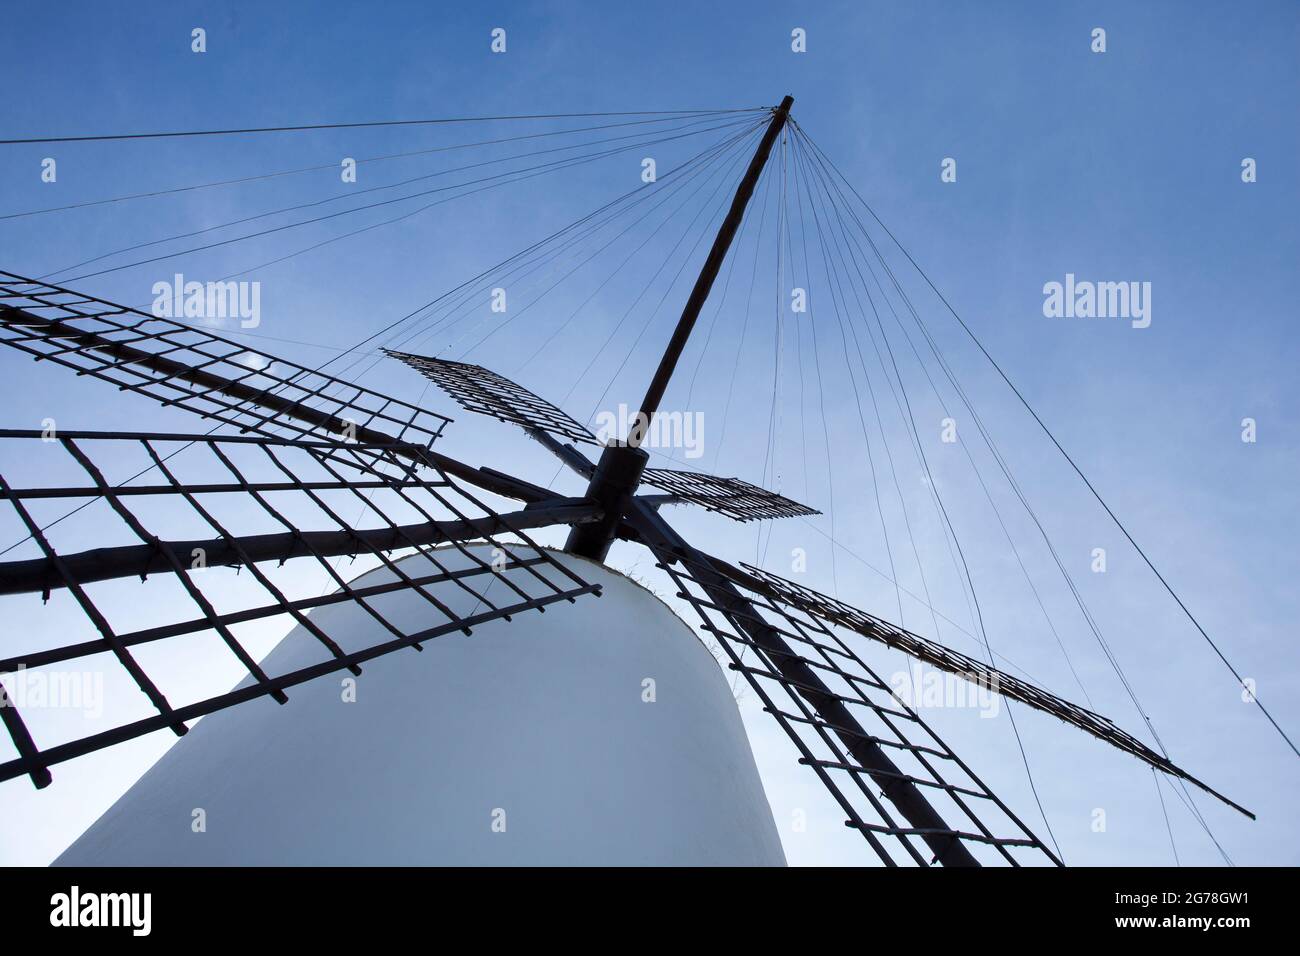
(1122, 166)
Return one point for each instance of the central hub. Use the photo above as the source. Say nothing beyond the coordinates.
(612, 485)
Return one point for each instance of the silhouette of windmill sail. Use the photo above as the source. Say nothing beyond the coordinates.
(791, 596)
(477, 389)
(403, 508)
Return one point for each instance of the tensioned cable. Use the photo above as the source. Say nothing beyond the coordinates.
(658, 200)
(334, 166)
(542, 167)
(821, 392)
(386, 222)
(777, 408)
(764, 189)
(1011, 480)
(850, 243)
(485, 276)
(516, 315)
(803, 385)
(927, 600)
(716, 215)
(839, 247)
(1077, 470)
(833, 282)
(465, 292)
(1008, 663)
(834, 285)
(366, 125)
(987, 437)
(1155, 778)
(748, 310)
(970, 581)
(984, 433)
(718, 307)
(957, 544)
(577, 243)
(721, 164)
(644, 188)
(354, 193)
(1186, 797)
(706, 156)
(555, 333)
(656, 195)
(914, 442)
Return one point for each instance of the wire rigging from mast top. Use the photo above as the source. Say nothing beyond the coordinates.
(362, 125)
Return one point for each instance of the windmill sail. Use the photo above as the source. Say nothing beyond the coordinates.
(294, 510)
(295, 477)
(198, 370)
(477, 389)
(218, 378)
(791, 596)
(738, 500)
(828, 700)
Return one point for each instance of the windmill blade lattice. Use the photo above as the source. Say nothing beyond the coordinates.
(827, 700)
(198, 370)
(481, 390)
(828, 610)
(276, 508)
(732, 497)
(477, 389)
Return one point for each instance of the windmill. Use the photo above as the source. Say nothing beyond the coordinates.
(291, 442)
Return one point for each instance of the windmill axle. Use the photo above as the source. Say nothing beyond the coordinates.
(616, 478)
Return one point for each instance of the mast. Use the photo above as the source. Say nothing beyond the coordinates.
(726, 233)
(619, 470)
(618, 473)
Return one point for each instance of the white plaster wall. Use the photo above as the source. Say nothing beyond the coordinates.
(541, 718)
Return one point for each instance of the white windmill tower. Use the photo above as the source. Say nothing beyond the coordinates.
(602, 734)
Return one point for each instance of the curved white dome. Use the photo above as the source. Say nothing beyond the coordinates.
(538, 724)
